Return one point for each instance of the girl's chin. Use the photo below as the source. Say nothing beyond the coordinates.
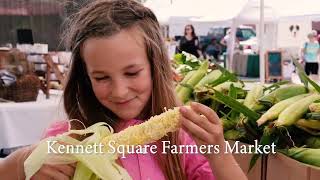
(127, 116)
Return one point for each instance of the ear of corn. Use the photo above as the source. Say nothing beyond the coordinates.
(226, 86)
(296, 110)
(275, 110)
(308, 130)
(282, 93)
(252, 97)
(310, 123)
(150, 131)
(314, 107)
(185, 92)
(305, 155)
(210, 77)
(184, 81)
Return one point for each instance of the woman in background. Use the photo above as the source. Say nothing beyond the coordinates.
(190, 42)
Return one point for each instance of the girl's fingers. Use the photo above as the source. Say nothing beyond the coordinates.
(39, 176)
(53, 173)
(206, 111)
(197, 119)
(67, 170)
(194, 130)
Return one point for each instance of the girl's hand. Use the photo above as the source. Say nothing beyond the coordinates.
(202, 124)
(12, 167)
(205, 128)
(56, 172)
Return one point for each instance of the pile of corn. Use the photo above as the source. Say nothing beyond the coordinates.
(289, 114)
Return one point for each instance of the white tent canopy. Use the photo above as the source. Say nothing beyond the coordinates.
(178, 13)
(236, 12)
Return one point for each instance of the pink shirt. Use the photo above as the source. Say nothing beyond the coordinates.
(145, 166)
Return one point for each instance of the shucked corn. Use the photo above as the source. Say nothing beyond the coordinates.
(150, 131)
(104, 165)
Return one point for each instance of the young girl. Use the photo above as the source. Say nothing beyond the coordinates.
(121, 74)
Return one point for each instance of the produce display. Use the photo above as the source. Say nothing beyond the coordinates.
(282, 113)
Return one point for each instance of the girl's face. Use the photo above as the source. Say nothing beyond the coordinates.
(120, 72)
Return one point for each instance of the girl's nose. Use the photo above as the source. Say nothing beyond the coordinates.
(119, 89)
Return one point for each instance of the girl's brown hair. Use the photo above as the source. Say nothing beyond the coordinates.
(104, 18)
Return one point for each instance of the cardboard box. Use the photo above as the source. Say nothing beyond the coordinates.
(281, 167)
(244, 161)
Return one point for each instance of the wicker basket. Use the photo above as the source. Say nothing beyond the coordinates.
(26, 88)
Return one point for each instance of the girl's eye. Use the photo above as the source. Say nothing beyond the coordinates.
(132, 74)
(101, 78)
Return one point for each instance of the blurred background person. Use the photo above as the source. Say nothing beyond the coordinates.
(190, 42)
(309, 56)
(214, 49)
(226, 41)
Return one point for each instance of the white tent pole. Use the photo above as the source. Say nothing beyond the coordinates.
(261, 48)
(230, 50)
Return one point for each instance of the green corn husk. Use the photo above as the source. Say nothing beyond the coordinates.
(251, 100)
(103, 165)
(305, 155)
(185, 92)
(235, 105)
(313, 142)
(228, 124)
(240, 101)
(308, 130)
(209, 78)
(310, 123)
(313, 115)
(296, 110)
(184, 81)
(275, 110)
(282, 93)
(233, 134)
(226, 86)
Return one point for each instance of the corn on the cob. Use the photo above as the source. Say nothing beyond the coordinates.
(282, 93)
(150, 131)
(310, 123)
(305, 155)
(184, 81)
(314, 107)
(275, 110)
(296, 110)
(251, 100)
(185, 92)
(226, 86)
(210, 77)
